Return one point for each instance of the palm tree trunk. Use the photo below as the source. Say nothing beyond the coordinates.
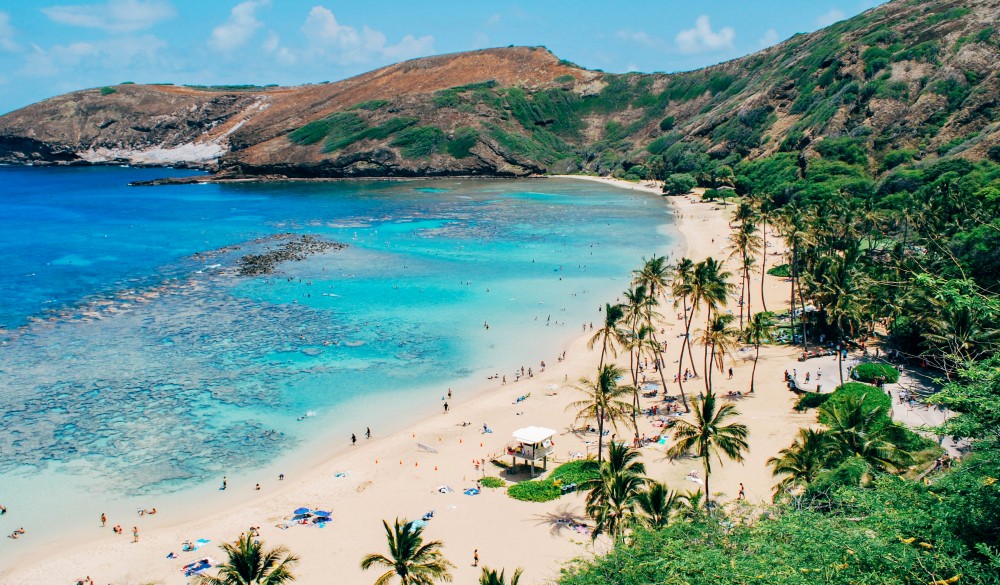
(600, 434)
(791, 299)
(709, 375)
(688, 321)
(840, 358)
(707, 501)
(763, 265)
(746, 273)
(660, 366)
(753, 372)
(743, 292)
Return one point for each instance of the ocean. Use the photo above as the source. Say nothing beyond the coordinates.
(138, 366)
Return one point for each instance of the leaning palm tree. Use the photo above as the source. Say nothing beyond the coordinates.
(759, 330)
(744, 242)
(610, 336)
(410, 558)
(683, 289)
(613, 494)
(249, 564)
(709, 435)
(605, 400)
(802, 461)
(657, 504)
(491, 577)
(858, 429)
(653, 275)
(721, 339)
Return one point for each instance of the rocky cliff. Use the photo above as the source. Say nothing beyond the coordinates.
(908, 80)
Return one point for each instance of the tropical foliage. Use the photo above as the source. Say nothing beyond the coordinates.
(410, 559)
(249, 563)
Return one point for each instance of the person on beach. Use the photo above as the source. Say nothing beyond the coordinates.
(742, 494)
(449, 393)
(368, 432)
(446, 408)
(281, 477)
(225, 484)
(104, 520)
(475, 558)
(354, 438)
(135, 534)
(3, 510)
(257, 488)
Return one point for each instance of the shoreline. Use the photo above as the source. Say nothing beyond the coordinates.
(380, 487)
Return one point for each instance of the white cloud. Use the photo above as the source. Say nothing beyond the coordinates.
(639, 37)
(7, 33)
(770, 37)
(832, 16)
(702, 39)
(117, 54)
(347, 45)
(113, 16)
(240, 28)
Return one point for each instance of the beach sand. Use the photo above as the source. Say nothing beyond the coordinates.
(391, 476)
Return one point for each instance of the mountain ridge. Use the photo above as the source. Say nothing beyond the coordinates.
(904, 81)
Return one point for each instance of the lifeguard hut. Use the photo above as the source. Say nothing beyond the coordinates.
(533, 444)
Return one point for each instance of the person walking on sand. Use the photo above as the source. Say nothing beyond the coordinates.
(104, 520)
(475, 558)
(135, 534)
(446, 408)
(354, 439)
(224, 483)
(368, 432)
(742, 494)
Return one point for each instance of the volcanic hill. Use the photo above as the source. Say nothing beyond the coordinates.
(909, 80)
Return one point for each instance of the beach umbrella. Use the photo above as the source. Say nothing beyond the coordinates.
(321, 513)
(301, 511)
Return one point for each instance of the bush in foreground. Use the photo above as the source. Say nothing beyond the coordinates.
(871, 371)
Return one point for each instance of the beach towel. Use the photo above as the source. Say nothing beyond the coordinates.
(342, 474)
(198, 567)
(445, 489)
(471, 492)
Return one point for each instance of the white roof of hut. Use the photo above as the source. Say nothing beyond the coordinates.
(532, 435)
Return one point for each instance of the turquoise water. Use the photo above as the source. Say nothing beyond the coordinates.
(136, 363)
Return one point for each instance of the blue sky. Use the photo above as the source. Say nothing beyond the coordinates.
(49, 47)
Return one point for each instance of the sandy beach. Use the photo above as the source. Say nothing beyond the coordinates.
(399, 475)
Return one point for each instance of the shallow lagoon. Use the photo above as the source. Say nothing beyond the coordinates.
(137, 367)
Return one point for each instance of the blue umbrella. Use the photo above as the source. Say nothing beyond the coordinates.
(301, 511)
(321, 513)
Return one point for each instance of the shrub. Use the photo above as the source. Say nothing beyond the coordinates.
(460, 145)
(492, 482)
(781, 271)
(575, 472)
(340, 124)
(811, 400)
(419, 141)
(565, 79)
(108, 90)
(534, 491)
(875, 399)
(667, 123)
(994, 153)
(871, 371)
(679, 184)
(370, 105)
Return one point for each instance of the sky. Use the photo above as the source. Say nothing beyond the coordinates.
(50, 47)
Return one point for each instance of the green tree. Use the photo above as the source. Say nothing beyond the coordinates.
(603, 401)
(710, 434)
(720, 340)
(610, 335)
(613, 495)
(802, 461)
(248, 563)
(657, 504)
(683, 289)
(410, 558)
(710, 287)
(759, 330)
(679, 184)
(491, 577)
(858, 430)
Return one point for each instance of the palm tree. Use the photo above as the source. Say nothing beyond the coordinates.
(744, 244)
(759, 330)
(710, 435)
(802, 461)
(722, 340)
(683, 289)
(603, 402)
(657, 504)
(490, 577)
(249, 564)
(410, 559)
(857, 429)
(764, 211)
(797, 237)
(609, 336)
(613, 494)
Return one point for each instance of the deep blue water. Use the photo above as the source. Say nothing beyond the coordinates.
(131, 351)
